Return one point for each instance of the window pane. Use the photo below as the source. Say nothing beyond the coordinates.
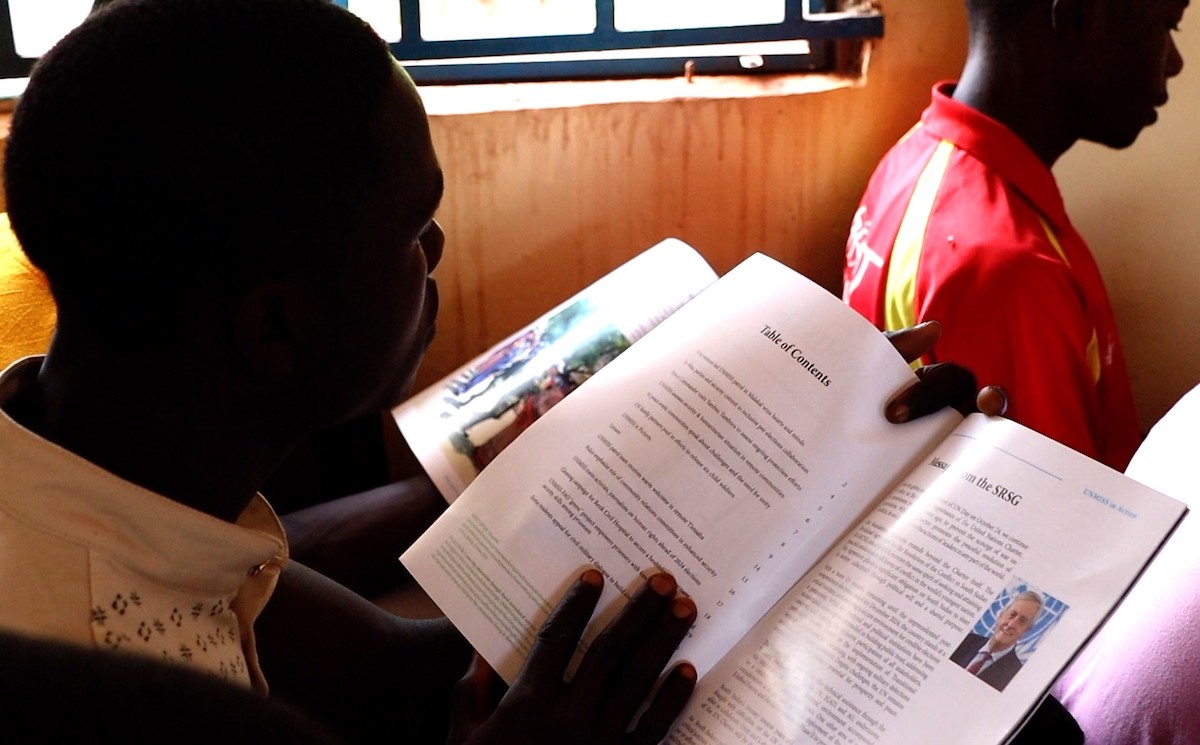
(37, 24)
(443, 20)
(382, 15)
(654, 15)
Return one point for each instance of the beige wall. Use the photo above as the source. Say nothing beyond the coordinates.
(539, 203)
(1138, 209)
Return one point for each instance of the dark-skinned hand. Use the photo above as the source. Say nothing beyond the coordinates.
(598, 704)
(939, 385)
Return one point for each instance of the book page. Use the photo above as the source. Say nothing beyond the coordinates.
(461, 423)
(876, 644)
(731, 446)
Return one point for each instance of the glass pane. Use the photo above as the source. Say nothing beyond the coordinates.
(654, 15)
(382, 15)
(443, 20)
(38, 24)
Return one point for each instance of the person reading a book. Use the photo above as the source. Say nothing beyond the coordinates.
(239, 243)
(346, 511)
(993, 659)
(963, 218)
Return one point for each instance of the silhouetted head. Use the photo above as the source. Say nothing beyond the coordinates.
(264, 162)
(170, 147)
(1110, 59)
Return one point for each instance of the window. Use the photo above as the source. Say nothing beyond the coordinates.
(27, 29)
(471, 41)
(467, 41)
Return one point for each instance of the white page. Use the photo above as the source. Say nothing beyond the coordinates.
(457, 423)
(859, 651)
(731, 446)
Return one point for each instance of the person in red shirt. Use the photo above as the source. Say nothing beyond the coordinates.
(963, 221)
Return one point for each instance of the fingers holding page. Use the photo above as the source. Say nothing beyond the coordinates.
(600, 702)
(560, 634)
(992, 400)
(668, 702)
(627, 658)
(915, 341)
(937, 387)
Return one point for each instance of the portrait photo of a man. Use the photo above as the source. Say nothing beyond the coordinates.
(997, 647)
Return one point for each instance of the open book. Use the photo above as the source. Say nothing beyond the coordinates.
(847, 570)
(458, 425)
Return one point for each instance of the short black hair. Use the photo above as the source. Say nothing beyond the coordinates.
(172, 148)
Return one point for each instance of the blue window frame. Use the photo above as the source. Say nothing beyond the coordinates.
(804, 38)
(803, 35)
(12, 65)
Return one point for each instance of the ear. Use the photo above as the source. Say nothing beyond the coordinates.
(268, 325)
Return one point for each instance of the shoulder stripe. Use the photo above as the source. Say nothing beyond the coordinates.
(900, 309)
(1093, 347)
(1054, 240)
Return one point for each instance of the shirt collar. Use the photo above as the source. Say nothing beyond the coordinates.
(994, 144)
(57, 491)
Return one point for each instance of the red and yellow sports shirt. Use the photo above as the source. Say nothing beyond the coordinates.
(963, 224)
